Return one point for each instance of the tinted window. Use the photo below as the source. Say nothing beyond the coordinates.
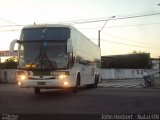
(45, 34)
(52, 57)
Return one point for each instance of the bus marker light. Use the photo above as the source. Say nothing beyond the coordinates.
(62, 76)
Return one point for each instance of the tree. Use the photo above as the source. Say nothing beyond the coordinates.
(10, 63)
(137, 52)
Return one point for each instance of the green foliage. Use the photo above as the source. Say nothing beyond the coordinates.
(10, 63)
(137, 52)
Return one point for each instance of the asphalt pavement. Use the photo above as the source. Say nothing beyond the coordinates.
(100, 101)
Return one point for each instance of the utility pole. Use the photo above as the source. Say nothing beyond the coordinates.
(99, 31)
(99, 37)
(159, 65)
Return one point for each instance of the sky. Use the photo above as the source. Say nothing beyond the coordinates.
(135, 26)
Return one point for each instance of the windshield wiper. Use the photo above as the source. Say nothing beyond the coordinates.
(43, 59)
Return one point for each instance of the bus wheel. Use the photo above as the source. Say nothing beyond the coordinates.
(95, 84)
(96, 81)
(75, 89)
(36, 90)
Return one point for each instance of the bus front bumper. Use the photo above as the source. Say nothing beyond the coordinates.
(55, 83)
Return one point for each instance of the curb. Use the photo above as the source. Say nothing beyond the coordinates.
(122, 80)
(5, 84)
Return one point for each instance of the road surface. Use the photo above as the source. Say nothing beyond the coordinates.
(101, 100)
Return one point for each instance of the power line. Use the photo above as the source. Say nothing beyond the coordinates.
(12, 25)
(115, 36)
(92, 20)
(8, 21)
(11, 30)
(101, 19)
(135, 16)
(132, 45)
(118, 18)
(132, 25)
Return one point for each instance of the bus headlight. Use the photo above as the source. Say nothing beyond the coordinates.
(22, 75)
(19, 83)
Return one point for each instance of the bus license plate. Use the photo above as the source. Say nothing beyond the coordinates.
(41, 83)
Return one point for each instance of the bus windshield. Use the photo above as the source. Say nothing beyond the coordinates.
(44, 48)
(49, 34)
(33, 55)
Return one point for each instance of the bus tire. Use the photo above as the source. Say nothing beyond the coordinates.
(95, 84)
(36, 90)
(96, 81)
(75, 89)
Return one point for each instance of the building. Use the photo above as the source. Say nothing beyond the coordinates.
(5, 55)
(155, 63)
(127, 61)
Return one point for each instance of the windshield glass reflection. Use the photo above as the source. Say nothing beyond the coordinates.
(35, 55)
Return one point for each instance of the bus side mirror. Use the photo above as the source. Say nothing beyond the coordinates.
(12, 44)
(69, 46)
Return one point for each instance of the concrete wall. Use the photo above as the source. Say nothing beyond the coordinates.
(157, 82)
(125, 73)
(8, 75)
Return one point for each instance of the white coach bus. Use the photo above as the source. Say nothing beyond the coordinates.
(56, 56)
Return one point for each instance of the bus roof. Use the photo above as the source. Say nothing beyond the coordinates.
(46, 25)
(56, 25)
